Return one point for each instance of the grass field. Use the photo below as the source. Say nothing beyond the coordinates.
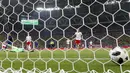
(72, 61)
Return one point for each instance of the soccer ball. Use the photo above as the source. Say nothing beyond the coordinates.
(118, 55)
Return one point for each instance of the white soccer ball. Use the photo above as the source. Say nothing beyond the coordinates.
(118, 55)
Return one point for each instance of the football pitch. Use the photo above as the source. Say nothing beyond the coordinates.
(72, 61)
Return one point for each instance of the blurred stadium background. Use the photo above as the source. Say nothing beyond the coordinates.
(105, 22)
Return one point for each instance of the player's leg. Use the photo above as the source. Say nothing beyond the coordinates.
(28, 45)
(90, 46)
(51, 46)
(77, 42)
(68, 46)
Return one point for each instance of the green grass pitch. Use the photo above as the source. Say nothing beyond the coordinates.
(73, 61)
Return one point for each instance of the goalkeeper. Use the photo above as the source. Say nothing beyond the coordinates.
(14, 49)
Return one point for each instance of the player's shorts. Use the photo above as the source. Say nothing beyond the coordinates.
(4, 46)
(77, 42)
(28, 43)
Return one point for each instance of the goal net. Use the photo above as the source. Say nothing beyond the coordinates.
(103, 23)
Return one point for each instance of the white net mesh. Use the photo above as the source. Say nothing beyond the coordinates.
(104, 23)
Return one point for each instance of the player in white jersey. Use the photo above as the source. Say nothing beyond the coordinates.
(90, 44)
(78, 38)
(28, 42)
(68, 43)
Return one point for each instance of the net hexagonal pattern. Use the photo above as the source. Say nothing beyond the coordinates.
(104, 22)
